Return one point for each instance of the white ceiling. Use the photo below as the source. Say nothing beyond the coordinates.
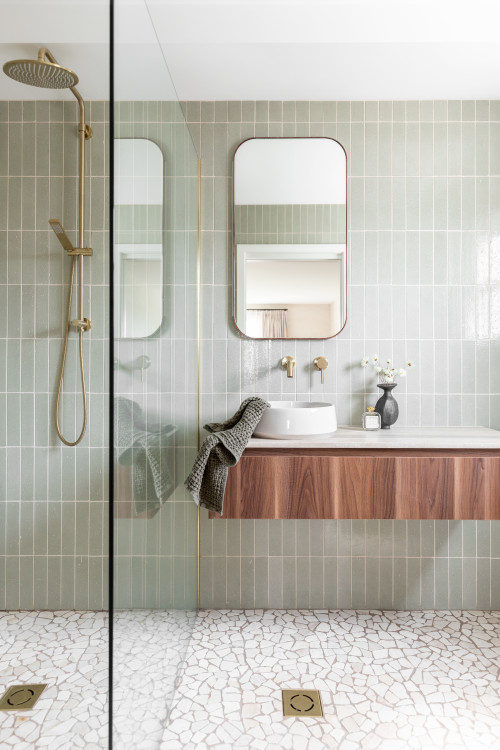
(264, 49)
(331, 49)
(75, 31)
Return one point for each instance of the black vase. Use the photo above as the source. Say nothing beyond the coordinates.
(387, 406)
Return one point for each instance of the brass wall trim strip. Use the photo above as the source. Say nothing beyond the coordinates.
(21, 697)
(301, 703)
(198, 356)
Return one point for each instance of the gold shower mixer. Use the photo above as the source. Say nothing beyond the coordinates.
(81, 325)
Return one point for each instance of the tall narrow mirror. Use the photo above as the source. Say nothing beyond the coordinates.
(289, 232)
(139, 175)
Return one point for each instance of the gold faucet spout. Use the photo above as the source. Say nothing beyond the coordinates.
(289, 364)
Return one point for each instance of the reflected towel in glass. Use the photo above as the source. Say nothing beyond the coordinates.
(146, 452)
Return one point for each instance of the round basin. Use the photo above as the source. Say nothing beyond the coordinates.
(292, 420)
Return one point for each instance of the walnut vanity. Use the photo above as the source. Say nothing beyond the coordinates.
(407, 473)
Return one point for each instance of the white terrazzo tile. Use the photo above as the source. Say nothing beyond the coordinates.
(389, 681)
(69, 652)
(149, 647)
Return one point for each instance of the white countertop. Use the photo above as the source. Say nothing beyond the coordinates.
(459, 438)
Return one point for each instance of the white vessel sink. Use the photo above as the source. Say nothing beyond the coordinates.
(289, 420)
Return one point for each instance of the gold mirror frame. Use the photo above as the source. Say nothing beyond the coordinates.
(233, 234)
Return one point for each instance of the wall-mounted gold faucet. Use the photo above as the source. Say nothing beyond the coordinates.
(289, 364)
(321, 363)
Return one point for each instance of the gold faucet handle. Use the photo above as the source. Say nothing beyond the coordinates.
(289, 364)
(321, 363)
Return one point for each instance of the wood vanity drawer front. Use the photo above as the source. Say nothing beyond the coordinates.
(257, 488)
(352, 479)
(413, 488)
(297, 486)
(477, 488)
(364, 484)
(451, 487)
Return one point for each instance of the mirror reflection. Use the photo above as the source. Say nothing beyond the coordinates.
(289, 217)
(138, 188)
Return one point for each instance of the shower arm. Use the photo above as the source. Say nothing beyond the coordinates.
(84, 133)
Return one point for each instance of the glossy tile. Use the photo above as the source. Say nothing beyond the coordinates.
(417, 198)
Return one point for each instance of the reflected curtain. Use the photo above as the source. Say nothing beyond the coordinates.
(267, 324)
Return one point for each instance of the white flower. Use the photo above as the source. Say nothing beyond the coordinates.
(402, 373)
(388, 373)
(410, 363)
(364, 361)
(375, 358)
(378, 369)
(389, 361)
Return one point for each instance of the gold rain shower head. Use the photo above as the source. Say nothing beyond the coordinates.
(45, 75)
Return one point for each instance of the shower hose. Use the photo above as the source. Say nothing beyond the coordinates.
(63, 362)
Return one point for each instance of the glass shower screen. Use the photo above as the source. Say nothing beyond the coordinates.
(155, 395)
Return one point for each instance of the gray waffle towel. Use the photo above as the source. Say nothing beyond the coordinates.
(208, 477)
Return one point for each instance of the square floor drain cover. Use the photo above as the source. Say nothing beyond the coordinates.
(302, 703)
(21, 697)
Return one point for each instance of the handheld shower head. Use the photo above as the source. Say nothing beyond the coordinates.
(45, 75)
(61, 235)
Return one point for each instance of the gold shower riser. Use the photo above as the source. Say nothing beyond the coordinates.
(46, 72)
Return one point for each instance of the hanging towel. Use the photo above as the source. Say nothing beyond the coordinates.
(208, 477)
(146, 452)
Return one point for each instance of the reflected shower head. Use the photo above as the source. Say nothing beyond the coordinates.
(61, 235)
(46, 75)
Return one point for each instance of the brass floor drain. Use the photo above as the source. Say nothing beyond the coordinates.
(302, 703)
(21, 697)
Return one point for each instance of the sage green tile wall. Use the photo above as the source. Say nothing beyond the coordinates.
(53, 499)
(141, 224)
(290, 223)
(54, 502)
(155, 558)
(424, 271)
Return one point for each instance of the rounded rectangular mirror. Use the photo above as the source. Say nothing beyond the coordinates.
(138, 249)
(289, 238)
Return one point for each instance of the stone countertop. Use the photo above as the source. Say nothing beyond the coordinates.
(423, 438)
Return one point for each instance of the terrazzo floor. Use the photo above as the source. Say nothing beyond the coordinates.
(69, 652)
(388, 681)
(149, 650)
